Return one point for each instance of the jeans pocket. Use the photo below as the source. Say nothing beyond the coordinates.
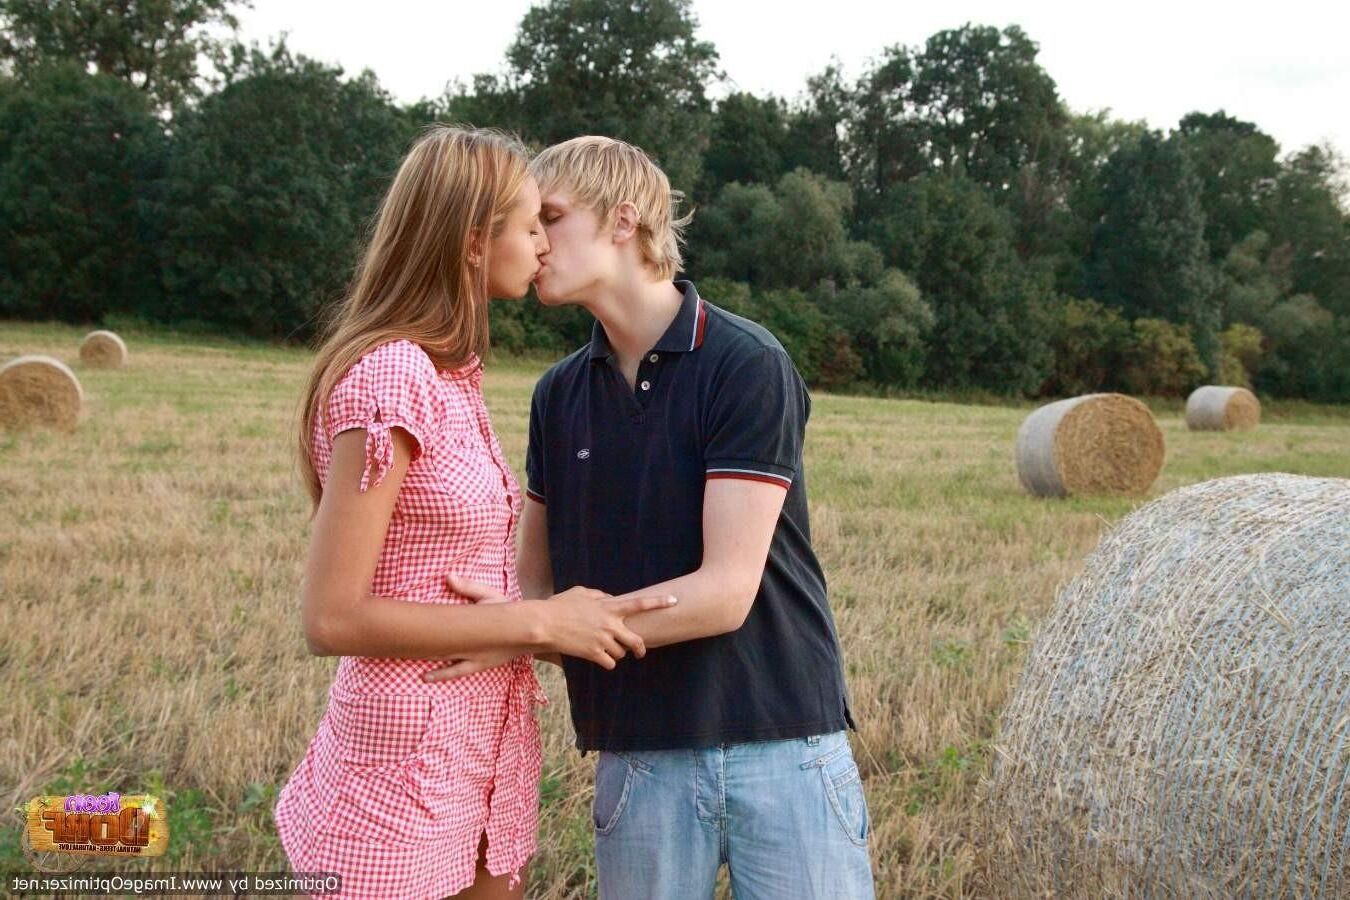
(843, 787)
(614, 776)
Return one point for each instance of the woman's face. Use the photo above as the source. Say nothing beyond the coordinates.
(513, 255)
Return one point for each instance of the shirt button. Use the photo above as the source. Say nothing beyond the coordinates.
(646, 385)
(653, 357)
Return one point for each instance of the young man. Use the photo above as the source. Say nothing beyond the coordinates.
(666, 457)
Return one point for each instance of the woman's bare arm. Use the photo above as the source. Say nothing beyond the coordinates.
(341, 618)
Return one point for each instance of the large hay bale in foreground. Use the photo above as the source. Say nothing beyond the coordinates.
(39, 391)
(1093, 444)
(1182, 725)
(103, 350)
(1215, 408)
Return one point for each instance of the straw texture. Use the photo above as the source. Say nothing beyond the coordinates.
(1215, 408)
(1093, 444)
(1180, 728)
(103, 350)
(39, 391)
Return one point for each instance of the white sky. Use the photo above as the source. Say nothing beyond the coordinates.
(1283, 65)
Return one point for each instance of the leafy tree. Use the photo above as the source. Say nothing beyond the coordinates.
(152, 45)
(1253, 278)
(990, 107)
(974, 101)
(748, 143)
(529, 327)
(630, 69)
(80, 156)
(956, 244)
(270, 185)
(886, 137)
(1148, 256)
(791, 235)
(1321, 368)
(816, 123)
(1056, 207)
(1308, 212)
(1235, 164)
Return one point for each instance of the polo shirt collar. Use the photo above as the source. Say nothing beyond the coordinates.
(684, 334)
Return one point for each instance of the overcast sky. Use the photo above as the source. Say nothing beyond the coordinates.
(1283, 65)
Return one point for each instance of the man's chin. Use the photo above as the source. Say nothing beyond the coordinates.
(547, 298)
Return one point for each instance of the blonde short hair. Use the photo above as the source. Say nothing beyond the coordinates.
(600, 173)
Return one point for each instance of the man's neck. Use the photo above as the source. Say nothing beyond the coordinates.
(635, 315)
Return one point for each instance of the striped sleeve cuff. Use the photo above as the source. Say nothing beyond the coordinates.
(781, 477)
(534, 495)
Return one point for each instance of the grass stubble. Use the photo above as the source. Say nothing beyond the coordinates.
(150, 563)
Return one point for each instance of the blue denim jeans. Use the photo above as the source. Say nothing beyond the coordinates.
(788, 818)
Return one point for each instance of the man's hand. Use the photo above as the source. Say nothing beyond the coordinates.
(577, 625)
(476, 662)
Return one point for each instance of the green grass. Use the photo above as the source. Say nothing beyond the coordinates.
(150, 565)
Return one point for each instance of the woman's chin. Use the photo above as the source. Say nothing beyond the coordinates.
(513, 296)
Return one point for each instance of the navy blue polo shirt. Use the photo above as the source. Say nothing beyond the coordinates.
(622, 472)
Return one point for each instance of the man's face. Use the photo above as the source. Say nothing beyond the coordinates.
(581, 252)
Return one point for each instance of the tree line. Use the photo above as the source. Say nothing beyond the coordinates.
(940, 221)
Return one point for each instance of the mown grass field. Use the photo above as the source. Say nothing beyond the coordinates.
(149, 567)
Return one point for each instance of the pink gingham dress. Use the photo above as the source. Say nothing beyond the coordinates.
(402, 777)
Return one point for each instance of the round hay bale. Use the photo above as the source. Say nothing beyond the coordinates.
(39, 391)
(1093, 444)
(103, 350)
(1214, 408)
(1182, 725)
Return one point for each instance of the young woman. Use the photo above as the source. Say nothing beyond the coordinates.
(414, 787)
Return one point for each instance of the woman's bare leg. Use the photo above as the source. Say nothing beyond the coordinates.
(489, 887)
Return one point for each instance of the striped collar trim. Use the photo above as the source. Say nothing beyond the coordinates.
(684, 334)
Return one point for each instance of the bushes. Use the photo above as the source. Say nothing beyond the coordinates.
(886, 324)
(1161, 360)
(819, 348)
(1088, 341)
(1240, 351)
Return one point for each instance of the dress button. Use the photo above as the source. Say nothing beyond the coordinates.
(646, 385)
(653, 357)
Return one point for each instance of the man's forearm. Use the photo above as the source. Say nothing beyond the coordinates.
(536, 586)
(712, 602)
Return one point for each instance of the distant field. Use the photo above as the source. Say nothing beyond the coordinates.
(149, 565)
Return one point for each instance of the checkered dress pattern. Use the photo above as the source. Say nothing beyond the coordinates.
(402, 777)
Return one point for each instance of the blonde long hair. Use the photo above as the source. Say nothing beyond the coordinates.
(414, 279)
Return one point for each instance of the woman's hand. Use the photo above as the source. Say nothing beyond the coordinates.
(589, 624)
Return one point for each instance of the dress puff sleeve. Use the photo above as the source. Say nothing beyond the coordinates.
(392, 386)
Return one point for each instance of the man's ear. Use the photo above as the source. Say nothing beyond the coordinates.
(625, 222)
